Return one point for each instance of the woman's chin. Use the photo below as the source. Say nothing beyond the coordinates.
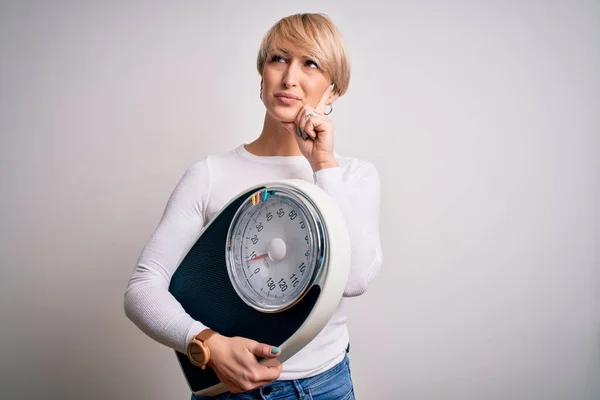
(283, 114)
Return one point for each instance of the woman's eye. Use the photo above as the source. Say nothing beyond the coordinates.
(277, 58)
(312, 64)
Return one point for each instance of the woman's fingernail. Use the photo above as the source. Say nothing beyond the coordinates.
(299, 132)
(275, 350)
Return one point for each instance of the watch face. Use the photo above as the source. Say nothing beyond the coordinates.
(275, 249)
(197, 353)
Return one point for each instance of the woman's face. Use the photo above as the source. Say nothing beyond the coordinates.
(291, 80)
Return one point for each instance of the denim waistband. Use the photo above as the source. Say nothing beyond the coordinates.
(281, 389)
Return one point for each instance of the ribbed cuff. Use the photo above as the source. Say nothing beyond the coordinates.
(195, 329)
(328, 177)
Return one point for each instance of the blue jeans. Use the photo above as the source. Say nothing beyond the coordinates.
(333, 384)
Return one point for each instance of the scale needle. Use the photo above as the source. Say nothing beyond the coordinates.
(259, 257)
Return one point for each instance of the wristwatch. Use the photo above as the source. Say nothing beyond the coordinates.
(197, 351)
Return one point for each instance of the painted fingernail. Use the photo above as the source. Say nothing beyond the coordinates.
(275, 350)
(300, 133)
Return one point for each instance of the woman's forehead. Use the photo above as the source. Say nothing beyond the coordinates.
(289, 47)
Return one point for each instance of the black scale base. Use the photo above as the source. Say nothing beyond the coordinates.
(201, 284)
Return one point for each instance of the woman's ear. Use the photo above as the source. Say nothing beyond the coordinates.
(261, 83)
(333, 96)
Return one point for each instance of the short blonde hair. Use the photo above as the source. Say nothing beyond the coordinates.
(316, 35)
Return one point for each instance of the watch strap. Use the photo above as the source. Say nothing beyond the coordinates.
(204, 335)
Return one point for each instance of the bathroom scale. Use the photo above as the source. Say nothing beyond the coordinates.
(270, 266)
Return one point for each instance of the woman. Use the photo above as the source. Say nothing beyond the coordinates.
(304, 69)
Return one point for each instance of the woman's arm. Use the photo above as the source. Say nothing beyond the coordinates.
(148, 302)
(357, 194)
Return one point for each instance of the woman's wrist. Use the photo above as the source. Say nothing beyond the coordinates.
(323, 165)
(214, 343)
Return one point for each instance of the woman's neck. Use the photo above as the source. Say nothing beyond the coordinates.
(274, 140)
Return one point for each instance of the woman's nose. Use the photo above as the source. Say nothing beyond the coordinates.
(290, 77)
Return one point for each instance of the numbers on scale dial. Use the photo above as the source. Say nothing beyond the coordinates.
(267, 278)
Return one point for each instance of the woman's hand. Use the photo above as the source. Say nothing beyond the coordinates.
(314, 134)
(234, 360)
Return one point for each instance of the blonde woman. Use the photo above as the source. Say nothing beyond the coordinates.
(304, 68)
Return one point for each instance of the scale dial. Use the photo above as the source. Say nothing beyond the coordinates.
(274, 248)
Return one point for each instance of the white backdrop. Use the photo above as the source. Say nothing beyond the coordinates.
(483, 119)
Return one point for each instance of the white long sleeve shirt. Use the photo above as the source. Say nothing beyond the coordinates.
(201, 193)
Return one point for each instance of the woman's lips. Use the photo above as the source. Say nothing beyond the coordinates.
(287, 98)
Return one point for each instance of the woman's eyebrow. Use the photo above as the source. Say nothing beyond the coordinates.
(284, 51)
